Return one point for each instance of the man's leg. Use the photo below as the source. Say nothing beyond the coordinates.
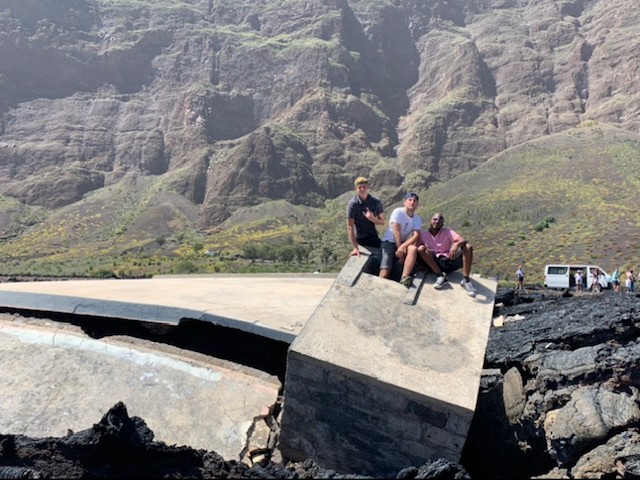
(372, 266)
(467, 260)
(410, 260)
(407, 267)
(388, 252)
(427, 257)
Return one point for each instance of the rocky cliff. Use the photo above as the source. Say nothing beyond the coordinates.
(233, 103)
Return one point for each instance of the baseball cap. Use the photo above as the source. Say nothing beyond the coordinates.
(412, 194)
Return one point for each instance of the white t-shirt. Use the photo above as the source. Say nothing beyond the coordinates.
(407, 225)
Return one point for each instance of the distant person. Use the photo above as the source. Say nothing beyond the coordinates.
(401, 234)
(615, 280)
(596, 285)
(630, 281)
(444, 251)
(519, 278)
(579, 277)
(364, 212)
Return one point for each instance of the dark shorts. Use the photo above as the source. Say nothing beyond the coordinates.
(388, 251)
(369, 242)
(446, 264)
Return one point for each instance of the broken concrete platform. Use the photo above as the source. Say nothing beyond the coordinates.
(270, 305)
(55, 378)
(383, 377)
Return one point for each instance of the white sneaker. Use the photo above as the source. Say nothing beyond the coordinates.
(440, 281)
(468, 286)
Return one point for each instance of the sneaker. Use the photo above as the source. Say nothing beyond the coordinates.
(440, 281)
(406, 281)
(468, 286)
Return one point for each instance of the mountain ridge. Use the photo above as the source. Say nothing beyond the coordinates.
(222, 105)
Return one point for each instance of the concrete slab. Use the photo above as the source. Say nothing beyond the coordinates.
(378, 374)
(274, 306)
(381, 378)
(54, 379)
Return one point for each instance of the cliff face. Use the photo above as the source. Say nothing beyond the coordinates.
(232, 103)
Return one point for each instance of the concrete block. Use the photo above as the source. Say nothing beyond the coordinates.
(375, 383)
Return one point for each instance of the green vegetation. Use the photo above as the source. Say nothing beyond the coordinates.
(566, 198)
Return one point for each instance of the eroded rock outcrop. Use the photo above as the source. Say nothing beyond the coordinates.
(184, 90)
(564, 392)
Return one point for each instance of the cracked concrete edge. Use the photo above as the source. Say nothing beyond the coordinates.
(258, 447)
(262, 438)
(133, 311)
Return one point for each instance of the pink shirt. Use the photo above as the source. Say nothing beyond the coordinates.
(440, 244)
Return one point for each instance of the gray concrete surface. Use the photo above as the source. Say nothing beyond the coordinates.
(55, 378)
(379, 377)
(382, 377)
(274, 306)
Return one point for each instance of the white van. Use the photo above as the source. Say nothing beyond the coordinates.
(562, 276)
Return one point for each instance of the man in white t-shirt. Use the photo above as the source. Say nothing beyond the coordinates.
(403, 232)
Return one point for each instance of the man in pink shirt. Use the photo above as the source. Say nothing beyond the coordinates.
(443, 250)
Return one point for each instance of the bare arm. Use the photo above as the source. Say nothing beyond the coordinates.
(351, 232)
(401, 247)
(412, 239)
(459, 243)
(395, 229)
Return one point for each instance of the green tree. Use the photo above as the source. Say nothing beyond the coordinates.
(302, 253)
(326, 254)
(287, 254)
(250, 251)
(185, 266)
(266, 252)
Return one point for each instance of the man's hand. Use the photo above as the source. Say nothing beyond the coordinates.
(355, 252)
(368, 214)
(401, 252)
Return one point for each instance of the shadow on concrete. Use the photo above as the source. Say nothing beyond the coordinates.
(224, 343)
